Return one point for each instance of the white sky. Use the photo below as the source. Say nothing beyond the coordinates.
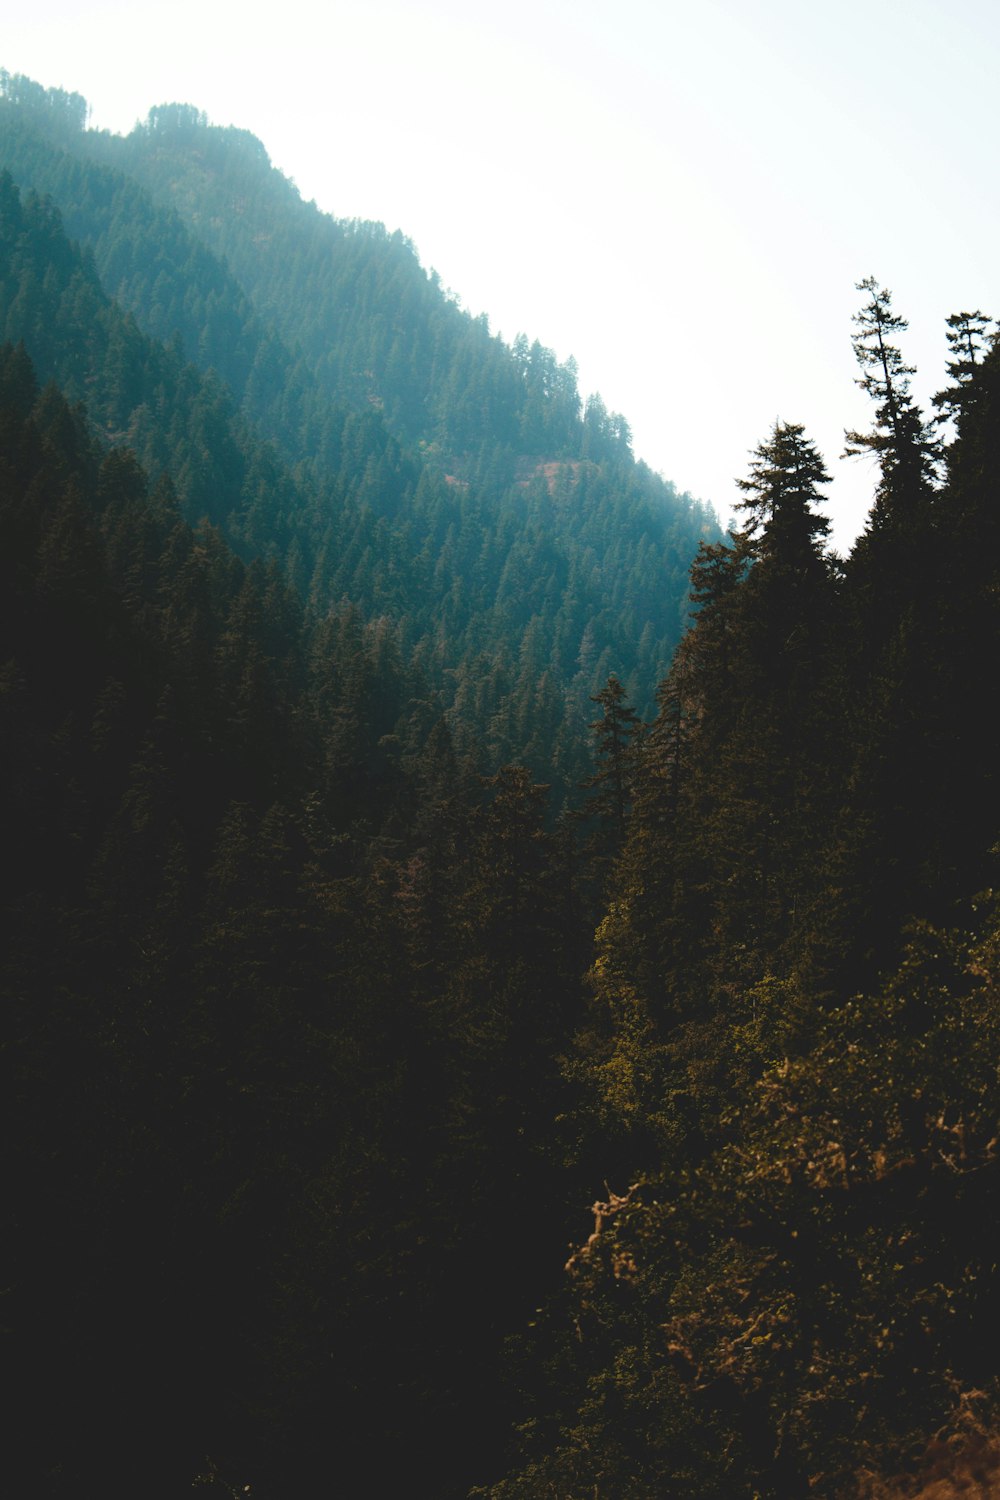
(681, 194)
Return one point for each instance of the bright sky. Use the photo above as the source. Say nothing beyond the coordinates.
(680, 193)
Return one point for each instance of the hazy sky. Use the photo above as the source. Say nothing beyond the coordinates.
(681, 195)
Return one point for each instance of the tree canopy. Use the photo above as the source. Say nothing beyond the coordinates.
(398, 861)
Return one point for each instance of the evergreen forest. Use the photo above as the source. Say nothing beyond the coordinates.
(500, 981)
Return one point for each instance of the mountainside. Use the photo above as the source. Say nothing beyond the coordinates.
(358, 930)
(420, 468)
(285, 981)
(281, 1007)
(792, 1055)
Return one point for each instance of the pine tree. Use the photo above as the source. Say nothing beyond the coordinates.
(906, 452)
(611, 785)
(969, 340)
(785, 473)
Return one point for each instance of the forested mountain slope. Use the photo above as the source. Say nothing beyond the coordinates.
(320, 1029)
(281, 1012)
(442, 479)
(285, 981)
(792, 1055)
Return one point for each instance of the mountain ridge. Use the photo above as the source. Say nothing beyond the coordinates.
(397, 390)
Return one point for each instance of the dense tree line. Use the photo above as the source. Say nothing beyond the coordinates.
(288, 960)
(790, 1063)
(328, 629)
(353, 422)
(284, 983)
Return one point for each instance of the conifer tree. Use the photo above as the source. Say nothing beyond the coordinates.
(781, 490)
(968, 339)
(785, 589)
(906, 452)
(611, 785)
